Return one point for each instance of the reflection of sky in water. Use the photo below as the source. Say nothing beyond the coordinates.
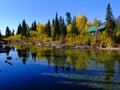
(36, 75)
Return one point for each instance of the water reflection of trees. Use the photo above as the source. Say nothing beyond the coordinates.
(108, 59)
(73, 59)
(23, 53)
(66, 59)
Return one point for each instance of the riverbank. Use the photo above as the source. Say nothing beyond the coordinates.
(64, 46)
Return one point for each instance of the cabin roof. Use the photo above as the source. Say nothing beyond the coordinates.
(94, 28)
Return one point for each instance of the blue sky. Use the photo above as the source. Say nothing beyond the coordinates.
(12, 12)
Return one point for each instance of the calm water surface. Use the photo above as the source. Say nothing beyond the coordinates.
(36, 68)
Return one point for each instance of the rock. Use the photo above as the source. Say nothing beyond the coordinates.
(9, 62)
(9, 58)
(6, 61)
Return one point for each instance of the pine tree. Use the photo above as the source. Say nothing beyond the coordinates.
(48, 29)
(60, 24)
(63, 30)
(33, 26)
(0, 35)
(74, 28)
(8, 32)
(57, 31)
(110, 23)
(53, 34)
(68, 15)
(13, 32)
(19, 29)
(24, 28)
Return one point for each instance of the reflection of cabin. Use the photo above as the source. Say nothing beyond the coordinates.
(93, 29)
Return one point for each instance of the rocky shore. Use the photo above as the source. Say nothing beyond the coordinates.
(63, 46)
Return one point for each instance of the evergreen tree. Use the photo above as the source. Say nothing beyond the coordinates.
(63, 30)
(57, 31)
(8, 32)
(27, 34)
(19, 29)
(34, 26)
(48, 29)
(24, 28)
(68, 15)
(117, 39)
(60, 24)
(110, 23)
(53, 34)
(13, 32)
(0, 35)
(74, 28)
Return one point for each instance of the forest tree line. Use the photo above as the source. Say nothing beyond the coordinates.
(71, 31)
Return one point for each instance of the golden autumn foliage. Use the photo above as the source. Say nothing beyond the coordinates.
(69, 28)
(70, 39)
(41, 28)
(81, 23)
(15, 37)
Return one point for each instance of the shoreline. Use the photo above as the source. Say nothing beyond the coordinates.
(63, 46)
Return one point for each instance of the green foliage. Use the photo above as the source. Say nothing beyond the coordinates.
(8, 32)
(34, 26)
(74, 28)
(63, 30)
(72, 32)
(0, 36)
(88, 42)
(13, 32)
(117, 40)
(110, 23)
(19, 29)
(56, 25)
(97, 22)
(24, 28)
(69, 19)
(53, 34)
(55, 30)
(48, 29)
(104, 40)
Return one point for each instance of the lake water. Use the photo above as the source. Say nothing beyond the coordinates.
(36, 68)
